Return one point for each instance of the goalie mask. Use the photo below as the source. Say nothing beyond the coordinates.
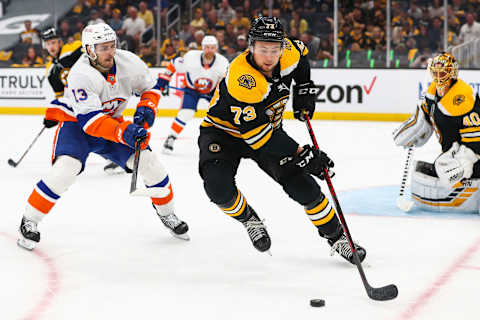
(443, 68)
(95, 34)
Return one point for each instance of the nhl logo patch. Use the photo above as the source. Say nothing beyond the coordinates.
(214, 147)
(246, 81)
(458, 99)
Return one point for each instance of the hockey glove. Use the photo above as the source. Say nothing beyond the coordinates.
(144, 116)
(49, 123)
(304, 100)
(163, 83)
(129, 133)
(314, 161)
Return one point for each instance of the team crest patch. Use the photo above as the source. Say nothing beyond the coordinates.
(247, 81)
(214, 147)
(458, 99)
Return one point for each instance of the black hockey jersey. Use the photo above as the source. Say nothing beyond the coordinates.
(250, 106)
(455, 116)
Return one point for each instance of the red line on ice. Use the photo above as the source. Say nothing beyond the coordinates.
(413, 309)
(52, 283)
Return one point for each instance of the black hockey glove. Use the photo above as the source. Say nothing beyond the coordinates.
(49, 123)
(313, 162)
(304, 96)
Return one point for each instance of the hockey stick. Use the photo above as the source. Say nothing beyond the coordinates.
(402, 202)
(155, 192)
(388, 292)
(13, 163)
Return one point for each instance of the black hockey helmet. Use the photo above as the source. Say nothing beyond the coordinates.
(48, 34)
(268, 29)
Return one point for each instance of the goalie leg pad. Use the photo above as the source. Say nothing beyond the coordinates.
(430, 194)
(414, 132)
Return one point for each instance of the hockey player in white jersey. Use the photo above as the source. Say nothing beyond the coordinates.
(99, 85)
(203, 71)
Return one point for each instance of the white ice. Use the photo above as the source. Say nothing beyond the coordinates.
(105, 255)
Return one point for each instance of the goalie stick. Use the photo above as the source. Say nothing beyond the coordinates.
(387, 292)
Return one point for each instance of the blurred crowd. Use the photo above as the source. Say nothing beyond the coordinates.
(417, 28)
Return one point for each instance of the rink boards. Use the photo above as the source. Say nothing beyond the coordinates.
(345, 94)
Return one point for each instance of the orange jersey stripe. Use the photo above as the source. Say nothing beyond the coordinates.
(58, 115)
(176, 127)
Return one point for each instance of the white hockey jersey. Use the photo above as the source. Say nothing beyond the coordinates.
(201, 78)
(94, 94)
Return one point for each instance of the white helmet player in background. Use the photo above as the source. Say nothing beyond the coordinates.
(209, 47)
(95, 35)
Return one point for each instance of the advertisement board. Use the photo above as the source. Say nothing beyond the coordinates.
(345, 94)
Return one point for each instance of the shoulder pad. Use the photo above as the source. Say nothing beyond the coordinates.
(459, 100)
(291, 56)
(245, 83)
(431, 91)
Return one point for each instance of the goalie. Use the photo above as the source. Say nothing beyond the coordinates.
(452, 110)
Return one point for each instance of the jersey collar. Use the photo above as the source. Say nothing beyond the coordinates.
(110, 76)
(208, 65)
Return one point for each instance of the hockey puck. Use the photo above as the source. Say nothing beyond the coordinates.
(317, 303)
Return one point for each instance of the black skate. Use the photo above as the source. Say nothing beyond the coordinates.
(177, 227)
(112, 168)
(29, 235)
(168, 144)
(257, 232)
(342, 247)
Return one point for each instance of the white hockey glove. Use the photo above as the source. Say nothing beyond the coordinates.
(414, 132)
(455, 164)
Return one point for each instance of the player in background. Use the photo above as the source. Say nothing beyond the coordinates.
(99, 85)
(203, 70)
(245, 121)
(451, 109)
(63, 57)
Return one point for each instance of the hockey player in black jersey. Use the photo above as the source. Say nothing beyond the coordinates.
(245, 121)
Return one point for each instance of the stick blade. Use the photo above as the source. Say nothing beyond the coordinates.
(384, 293)
(156, 192)
(404, 204)
(12, 163)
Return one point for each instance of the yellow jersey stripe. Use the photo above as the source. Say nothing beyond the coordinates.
(322, 221)
(318, 208)
(262, 141)
(251, 133)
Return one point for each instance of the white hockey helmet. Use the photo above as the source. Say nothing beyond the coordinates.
(209, 40)
(97, 33)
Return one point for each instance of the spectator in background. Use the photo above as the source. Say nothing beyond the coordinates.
(230, 35)
(198, 21)
(32, 59)
(434, 35)
(197, 41)
(435, 9)
(80, 10)
(242, 43)
(207, 7)
(185, 33)
(414, 10)
(225, 13)
(376, 41)
(95, 17)
(298, 22)
(470, 30)
(30, 35)
(240, 19)
(145, 14)
(116, 22)
(64, 31)
(133, 26)
(169, 53)
(147, 53)
(276, 13)
(213, 21)
(79, 28)
(325, 50)
(312, 42)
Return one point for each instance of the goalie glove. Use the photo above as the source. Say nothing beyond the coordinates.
(304, 100)
(455, 164)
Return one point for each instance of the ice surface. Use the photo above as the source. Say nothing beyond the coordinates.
(105, 255)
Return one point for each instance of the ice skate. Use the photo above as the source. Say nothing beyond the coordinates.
(257, 232)
(342, 247)
(177, 227)
(112, 169)
(29, 235)
(168, 144)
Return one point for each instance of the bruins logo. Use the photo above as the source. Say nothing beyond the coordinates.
(63, 75)
(214, 147)
(458, 99)
(247, 81)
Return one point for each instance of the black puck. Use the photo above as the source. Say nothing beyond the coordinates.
(317, 303)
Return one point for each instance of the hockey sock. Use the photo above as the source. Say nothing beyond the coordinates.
(183, 117)
(322, 215)
(236, 208)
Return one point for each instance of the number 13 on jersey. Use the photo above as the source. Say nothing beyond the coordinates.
(248, 114)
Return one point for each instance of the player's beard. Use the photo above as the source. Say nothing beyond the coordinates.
(209, 55)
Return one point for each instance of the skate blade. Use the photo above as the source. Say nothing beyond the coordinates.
(26, 244)
(156, 192)
(183, 236)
